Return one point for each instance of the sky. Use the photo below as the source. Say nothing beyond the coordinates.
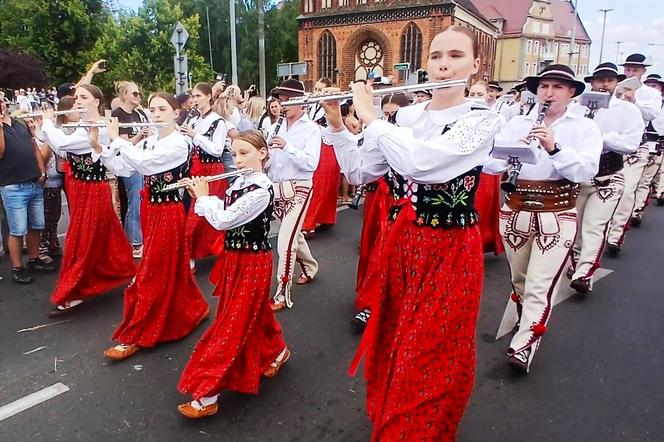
(634, 22)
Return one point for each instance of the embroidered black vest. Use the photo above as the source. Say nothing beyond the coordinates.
(252, 236)
(204, 156)
(440, 205)
(156, 183)
(84, 169)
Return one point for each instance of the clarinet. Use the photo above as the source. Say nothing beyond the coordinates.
(191, 114)
(509, 185)
(277, 128)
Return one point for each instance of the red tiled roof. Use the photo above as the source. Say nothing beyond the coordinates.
(515, 12)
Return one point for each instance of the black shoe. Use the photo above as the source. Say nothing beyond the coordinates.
(360, 320)
(38, 265)
(519, 361)
(613, 250)
(582, 286)
(20, 276)
(635, 221)
(660, 201)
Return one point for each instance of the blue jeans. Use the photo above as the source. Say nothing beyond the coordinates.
(24, 205)
(133, 186)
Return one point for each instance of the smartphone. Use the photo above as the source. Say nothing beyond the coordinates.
(102, 65)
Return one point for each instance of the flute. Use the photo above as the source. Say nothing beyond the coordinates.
(121, 125)
(56, 113)
(187, 181)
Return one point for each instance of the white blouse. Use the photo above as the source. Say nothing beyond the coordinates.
(417, 149)
(245, 209)
(78, 142)
(214, 146)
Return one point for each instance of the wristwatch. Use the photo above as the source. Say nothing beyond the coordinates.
(556, 149)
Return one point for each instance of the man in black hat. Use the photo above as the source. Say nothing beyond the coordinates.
(522, 105)
(622, 126)
(649, 102)
(538, 220)
(494, 91)
(294, 142)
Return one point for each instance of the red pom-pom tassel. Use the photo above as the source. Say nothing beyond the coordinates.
(539, 329)
(284, 279)
(515, 297)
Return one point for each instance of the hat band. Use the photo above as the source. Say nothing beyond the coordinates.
(607, 69)
(290, 89)
(556, 72)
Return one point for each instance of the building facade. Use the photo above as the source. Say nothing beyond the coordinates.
(534, 34)
(346, 39)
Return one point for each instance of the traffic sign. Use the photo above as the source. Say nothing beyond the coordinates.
(179, 37)
(290, 69)
(402, 67)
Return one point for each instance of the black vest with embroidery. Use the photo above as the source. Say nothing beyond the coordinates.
(252, 236)
(440, 205)
(84, 169)
(203, 155)
(157, 182)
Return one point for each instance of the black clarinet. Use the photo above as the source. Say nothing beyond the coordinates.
(277, 128)
(191, 114)
(509, 185)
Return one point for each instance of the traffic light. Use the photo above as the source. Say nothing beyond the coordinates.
(422, 76)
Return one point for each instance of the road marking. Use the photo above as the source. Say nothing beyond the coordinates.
(31, 400)
(564, 292)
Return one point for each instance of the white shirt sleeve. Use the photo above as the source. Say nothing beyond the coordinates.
(358, 165)
(215, 146)
(308, 157)
(580, 162)
(439, 159)
(245, 209)
(649, 102)
(77, 142)
(628, 139)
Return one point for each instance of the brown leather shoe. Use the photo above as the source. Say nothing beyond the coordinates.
(303, 279)
(276, 306)
(275, 366)
(120, 355)
(193, 413)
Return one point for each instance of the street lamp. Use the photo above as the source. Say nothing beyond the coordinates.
(618, 43)
(601, 47)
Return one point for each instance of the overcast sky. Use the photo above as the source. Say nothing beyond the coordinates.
(635, 22)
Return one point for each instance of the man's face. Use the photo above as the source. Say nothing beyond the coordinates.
(604, 84)
(634, 70)
(558, 92)
(655, 84)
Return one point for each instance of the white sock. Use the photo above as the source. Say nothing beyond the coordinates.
(204, 401)
(192, 264)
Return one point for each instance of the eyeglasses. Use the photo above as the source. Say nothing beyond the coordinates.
(136, 94)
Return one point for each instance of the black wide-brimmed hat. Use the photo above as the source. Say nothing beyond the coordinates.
(289, 88)
(604, 70)
(653, 78)
(495, 85)
(520, 86)
(555, 72)
(636, 59)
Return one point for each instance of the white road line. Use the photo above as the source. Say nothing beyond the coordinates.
(31, 400)
(564, 292)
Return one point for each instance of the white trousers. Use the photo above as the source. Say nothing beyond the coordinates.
(595, 206)
(537, 245)
(291, 201)
(634, 165)
(645, 186)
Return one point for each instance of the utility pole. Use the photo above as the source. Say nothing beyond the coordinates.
(571, 45)
(261, 49)
(601, 47)
(207, 15)
(618, 43)
(233, 43)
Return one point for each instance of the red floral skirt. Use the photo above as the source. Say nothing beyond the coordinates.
(164, 302)
(487, 205)
(97, 256)
(376, 209)
(201, 236)
(245, 337)
(420, 340)
(323, 207)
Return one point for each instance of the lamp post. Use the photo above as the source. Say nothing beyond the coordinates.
(618, 43)
(601, 47)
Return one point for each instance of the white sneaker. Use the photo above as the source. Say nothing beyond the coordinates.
(137, 252)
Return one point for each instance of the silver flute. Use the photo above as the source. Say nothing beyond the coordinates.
(222, 176)
(376, 92)
(122, 125)
(56, 113)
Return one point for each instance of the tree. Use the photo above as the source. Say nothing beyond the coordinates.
(20, 70)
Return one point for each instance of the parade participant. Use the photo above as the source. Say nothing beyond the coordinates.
(97, 256)
(270, 116)
(294, 155)
(208, 132)
(316, 112)
(649, 102)
(163, 303)
(494, 93)
(479, 92)
(658, 126)
(130, 186)
(521, 106)
(650, 177)
(622, 126)
(425, 289)
(391, 103)
(245, 341)
(538, 221)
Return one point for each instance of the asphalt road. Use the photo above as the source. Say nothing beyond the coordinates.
(596, 377)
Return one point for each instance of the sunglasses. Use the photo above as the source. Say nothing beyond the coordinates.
(136, 94)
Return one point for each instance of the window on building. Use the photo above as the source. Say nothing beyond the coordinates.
(343, 2)
(555, 49)
(583, 70)
(574, 69)
(361, 2)
(527, 70)
(327, 56)
(545, 28)
(536, 47)
(529, 47)
(411, 46)
(576, 49)
(308, 6)
(326, 4)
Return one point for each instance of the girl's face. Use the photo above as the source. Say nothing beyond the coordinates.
(451, 58)
(353, 125)
(246, 155)
(201, 100)
(275, 108)
(132, 96)
(478, 91)
(161, 111)
(389, 109)
(85, 100)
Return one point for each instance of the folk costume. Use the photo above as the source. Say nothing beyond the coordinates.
(291, 170)
(538, 222)
(622, 126)
(97, 256)
(209, 144)
(245, 341)
(419, 344)
(164, 302)
(649, 102)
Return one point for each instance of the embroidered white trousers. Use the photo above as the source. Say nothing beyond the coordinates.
(595, 206)
(291, 200)
(645, 185)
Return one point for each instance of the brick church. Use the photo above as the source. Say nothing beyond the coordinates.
(346, 39)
